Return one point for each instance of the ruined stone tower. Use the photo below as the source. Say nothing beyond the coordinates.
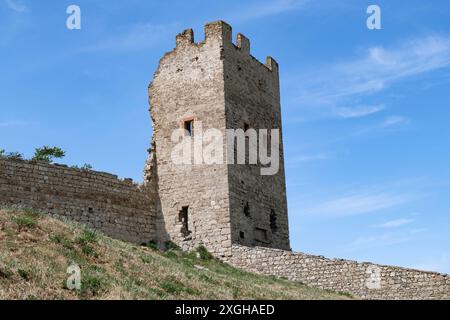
(215, 84)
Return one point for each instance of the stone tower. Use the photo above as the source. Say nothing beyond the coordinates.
(215, 84)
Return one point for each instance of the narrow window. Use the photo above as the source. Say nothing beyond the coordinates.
(247, 210)
(183, 216)
(189, 126)
(241, 234)
(273, 220)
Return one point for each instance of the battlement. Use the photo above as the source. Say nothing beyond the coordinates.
(220, 32)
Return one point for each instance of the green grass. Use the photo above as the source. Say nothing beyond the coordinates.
(36, 250)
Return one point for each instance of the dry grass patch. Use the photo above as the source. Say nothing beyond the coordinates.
(35, 251)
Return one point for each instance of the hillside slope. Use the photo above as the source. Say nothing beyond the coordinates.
(35, 251)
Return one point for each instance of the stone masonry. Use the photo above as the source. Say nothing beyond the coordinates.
(234, 211)
(119, 208)
(363, 280)
(220, 85)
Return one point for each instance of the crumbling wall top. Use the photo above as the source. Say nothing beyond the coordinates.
(220, 32)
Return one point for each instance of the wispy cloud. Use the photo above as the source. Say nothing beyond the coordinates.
(395, 223)
(382, 240)
(368, 242)
(395, 121)
(388, 124)
(16, 5)
(357, 112)
(9, 124)
(136, 37)
(338, 89)
(265, 9)
(358, 203)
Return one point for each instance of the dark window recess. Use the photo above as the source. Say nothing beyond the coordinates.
(247, 210)
(242, 234)
(183, 216)
(246, 126)
(91, 210)
(189, 126)
(273, 220)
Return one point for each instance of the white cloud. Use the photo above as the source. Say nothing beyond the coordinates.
(357, 204)
(368, 242)
(333, 89)
(395, 121)
(16, 5)
(396, 223)
(357, 112)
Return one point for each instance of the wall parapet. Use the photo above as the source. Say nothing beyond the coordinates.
(119, 208)
(362, 279)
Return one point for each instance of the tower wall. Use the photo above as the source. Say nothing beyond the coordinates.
(189, 85)
(252, 100)
(220, 85)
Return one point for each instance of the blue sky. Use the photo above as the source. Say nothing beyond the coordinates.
(365, 112)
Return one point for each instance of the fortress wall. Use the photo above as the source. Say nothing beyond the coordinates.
(343, 275)
(116, 207)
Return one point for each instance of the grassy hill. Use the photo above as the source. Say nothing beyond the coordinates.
(35, 251)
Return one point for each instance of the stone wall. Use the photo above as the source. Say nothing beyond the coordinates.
(119, 208)
(219, 85)
(188, 86)
(386, 282)
(258, 202)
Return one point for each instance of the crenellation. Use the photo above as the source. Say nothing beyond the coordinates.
(243, 43)
(218, 31)
(185, 38)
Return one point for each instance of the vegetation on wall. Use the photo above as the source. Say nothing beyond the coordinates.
(43, 154)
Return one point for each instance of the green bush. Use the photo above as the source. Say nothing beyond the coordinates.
(169, 245)
(91, 284)
(25, 222)
(14, 156)
(204, 253)
(24, 274)
(86, 166)
(88, 236)
(152, 245)
(47, 154)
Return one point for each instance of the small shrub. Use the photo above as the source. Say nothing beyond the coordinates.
(59, 239)
(5, 273)
(152, 245)
(31, 212)
(203, 253)
(14, 156)
(24, 274)
(2, 153)
(25, 222)
(173, 286)
(47, 154)
(88, 236)
(89, 250)
(169, 245)
(146, 259)
(86, 166)
(91, 284)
